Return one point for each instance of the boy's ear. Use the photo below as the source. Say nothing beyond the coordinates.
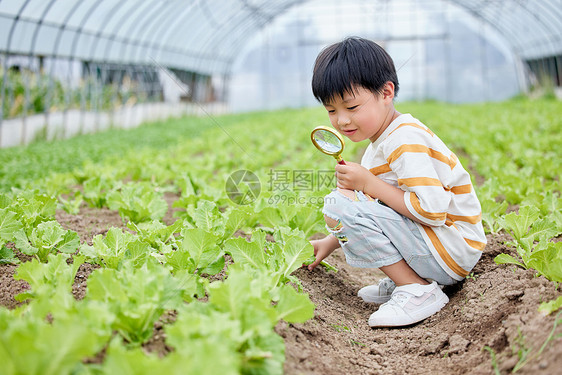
(388, 90)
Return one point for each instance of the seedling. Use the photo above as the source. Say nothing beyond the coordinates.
(341, 328)
(356, 343)
(326, 265)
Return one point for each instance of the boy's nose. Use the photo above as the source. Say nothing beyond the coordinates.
(343, 120)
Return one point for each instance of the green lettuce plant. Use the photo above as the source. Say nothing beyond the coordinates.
(138, 202)
(48, 237)
(136, 296)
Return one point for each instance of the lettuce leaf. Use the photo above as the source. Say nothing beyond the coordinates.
(136, 296)
(48, 237)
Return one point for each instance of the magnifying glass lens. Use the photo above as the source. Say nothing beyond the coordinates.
(328, 141)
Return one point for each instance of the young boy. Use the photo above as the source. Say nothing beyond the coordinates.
(409, 208)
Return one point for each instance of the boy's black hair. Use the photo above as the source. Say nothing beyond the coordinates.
(350, 63)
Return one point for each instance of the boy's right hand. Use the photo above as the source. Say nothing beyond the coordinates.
(322, 249)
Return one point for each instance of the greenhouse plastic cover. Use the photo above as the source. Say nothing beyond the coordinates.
(207, 35)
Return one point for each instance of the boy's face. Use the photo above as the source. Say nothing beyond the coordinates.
(362, 114)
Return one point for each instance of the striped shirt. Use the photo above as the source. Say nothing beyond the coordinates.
(437, 191)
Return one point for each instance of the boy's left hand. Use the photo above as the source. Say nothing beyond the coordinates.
(352, 176)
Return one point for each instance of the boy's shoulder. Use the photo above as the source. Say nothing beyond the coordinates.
(411, 135)
(407, 129)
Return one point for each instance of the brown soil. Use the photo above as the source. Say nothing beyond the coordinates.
(496, 306)
(9, 287)
(169, 217)
(90, 221)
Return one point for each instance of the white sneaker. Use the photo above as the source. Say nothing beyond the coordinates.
(379, 293)
(409, 304)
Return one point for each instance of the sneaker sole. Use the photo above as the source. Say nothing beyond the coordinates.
(414, 318)
(374, 299)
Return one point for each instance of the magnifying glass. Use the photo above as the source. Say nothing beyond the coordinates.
(328, 141)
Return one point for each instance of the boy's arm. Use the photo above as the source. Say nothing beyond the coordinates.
(323, 248)
(356, 177)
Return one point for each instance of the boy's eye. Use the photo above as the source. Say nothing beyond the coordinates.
(353, 107)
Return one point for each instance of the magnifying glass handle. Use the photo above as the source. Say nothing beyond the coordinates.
(341, 162)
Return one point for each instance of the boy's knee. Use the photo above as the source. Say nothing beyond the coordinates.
(348, 193)
(335, 196)
(334, 204)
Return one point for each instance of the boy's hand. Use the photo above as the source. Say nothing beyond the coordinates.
(352, 176)
(323, 248)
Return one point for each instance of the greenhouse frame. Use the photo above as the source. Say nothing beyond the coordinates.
(280, 187)
(111, 53)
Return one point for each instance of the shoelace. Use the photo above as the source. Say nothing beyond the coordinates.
(398, 298)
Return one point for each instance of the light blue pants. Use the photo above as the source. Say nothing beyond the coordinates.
(373, 235)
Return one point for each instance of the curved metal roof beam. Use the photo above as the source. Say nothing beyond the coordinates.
(479, 15)
(199, 35)
(167, 28)
(5, 73)
(238, 43)
(169, 34)
(156, 22)
(551, 30)
(229, 33)
(257, 10)
(510, 34)
(511, 28)
(13, 27)
(538, 20)
(99, 35)
(146, 29)
(62, 27)
(38, 26)
(235, 21)
(113, 35)
(556, 13)
(244, 29)
(116, 37)
(81, 27)
(205, 9)
(137, 26)
(552, 13)
(184, 29)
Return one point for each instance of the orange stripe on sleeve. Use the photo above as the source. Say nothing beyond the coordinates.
(419, 181)
(469, 219)
(449, 222)
(451, 162)
(454, 159)
(380, 169)
(428, 215)
(443, 253)
(428, 181)
(414, 125)
(475, 244)
(461, 189)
